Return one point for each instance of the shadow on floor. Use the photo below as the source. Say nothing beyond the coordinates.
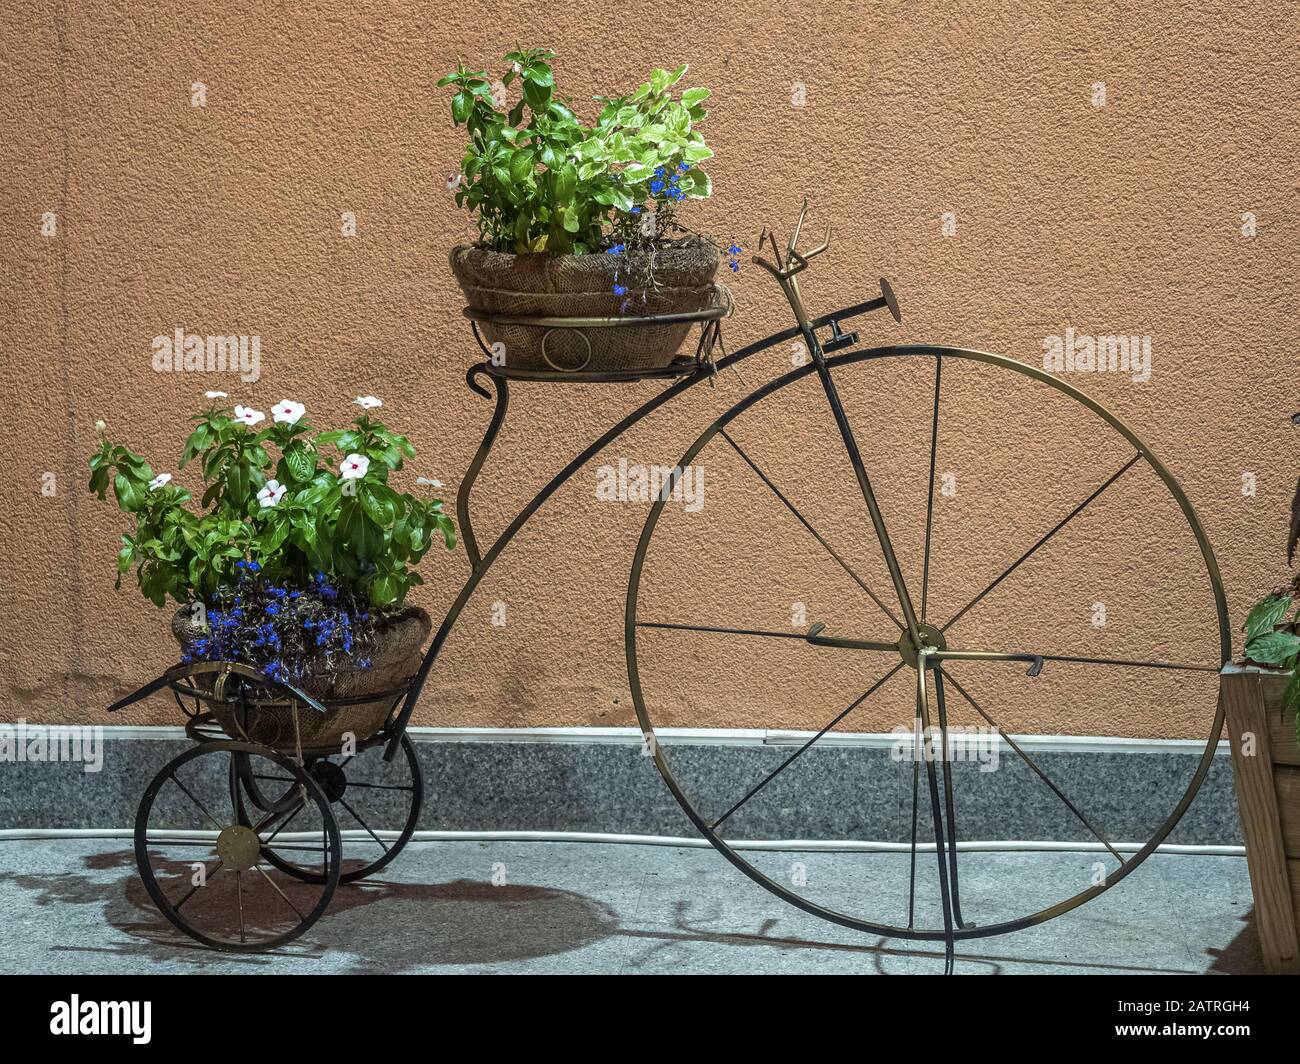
(393, 927)
(1242, 955)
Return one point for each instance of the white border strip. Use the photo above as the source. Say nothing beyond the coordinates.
(804, 845)
(1072, 744)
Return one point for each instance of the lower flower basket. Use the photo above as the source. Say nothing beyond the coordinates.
(358, 702)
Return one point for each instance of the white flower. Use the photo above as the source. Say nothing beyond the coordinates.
(248, 415)
(431, 482)
(287, 412)
(159, 481)
(354, 466)
(214, 395)
(516, 68)
(453, 182)
(367, 402)
(272, 493)
(100, 426)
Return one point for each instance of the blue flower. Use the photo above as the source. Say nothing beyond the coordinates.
(636, 210)
(683, 167)
(618, 249)
(656, 187)
(735, 266)
(733, 250)
(659, 171)
(620, 290)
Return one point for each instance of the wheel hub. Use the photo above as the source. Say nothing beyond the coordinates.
(238, 847)
(930, 636)
(330, 778)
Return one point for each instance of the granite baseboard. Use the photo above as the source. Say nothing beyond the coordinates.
(605, 784)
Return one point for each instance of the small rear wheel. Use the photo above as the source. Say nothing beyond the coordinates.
(204, 864)
(376, 803)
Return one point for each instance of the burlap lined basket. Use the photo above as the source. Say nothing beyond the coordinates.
(395, 658)
(582, 286)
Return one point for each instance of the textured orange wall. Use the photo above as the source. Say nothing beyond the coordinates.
(1123, 218)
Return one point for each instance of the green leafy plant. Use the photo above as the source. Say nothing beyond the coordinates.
(291, 517)
(540, 180)
(1273, 625)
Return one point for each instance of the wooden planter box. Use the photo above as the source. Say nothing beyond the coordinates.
(1268, 798)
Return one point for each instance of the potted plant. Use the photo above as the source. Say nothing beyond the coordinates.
(1261, 702)
(578, 220)
(294, 562)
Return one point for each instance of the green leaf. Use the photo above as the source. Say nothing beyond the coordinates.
(539, 74)
(461, 105)
(129, 494)
(521, 165)
(386, 590)
(1266, 615)
(693, 96)
(300, 463)
(1273, 648)
(1291, 698)
(538, 96)
(700, 184)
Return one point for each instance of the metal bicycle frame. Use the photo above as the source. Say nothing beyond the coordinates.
(481, 562)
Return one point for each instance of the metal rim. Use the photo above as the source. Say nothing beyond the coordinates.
(171, 911)
(248, 785)
(702, 824)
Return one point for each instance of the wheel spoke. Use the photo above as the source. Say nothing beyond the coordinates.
(927, 739)
(379, 786)
(815, 534)
(276, 887)
(344, 803)
(929, 504)
(239, 888)
(721, 631)
(206, 878)
(790, 760)
(1034, 767)
(916, 787)
(1125, 663)
(1055, 529)
(283, 824)
(950, 810)
(188, 794)
(812, 636)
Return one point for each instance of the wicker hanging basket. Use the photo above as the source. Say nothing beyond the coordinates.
(269, 719)
(673, 279)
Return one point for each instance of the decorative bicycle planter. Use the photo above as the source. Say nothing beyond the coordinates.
(911, 640)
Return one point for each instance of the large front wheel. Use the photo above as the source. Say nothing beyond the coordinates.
(903, 786)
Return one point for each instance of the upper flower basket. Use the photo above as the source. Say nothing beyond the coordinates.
(580, 221)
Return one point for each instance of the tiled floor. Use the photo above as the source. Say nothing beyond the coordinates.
(77, 906)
